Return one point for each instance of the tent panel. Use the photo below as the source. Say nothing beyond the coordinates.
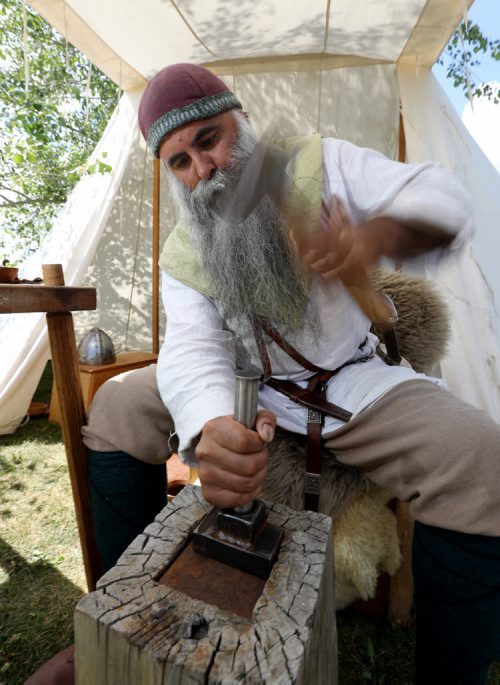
(63, 18)
(148, 35)
(333, 102)
(372, 29)
(257, 27)
(71, 242)
(127, 39)
(471, 366)
(286, 102)
(362, 105)
(121, 269)
(288, 63)
(434, 28)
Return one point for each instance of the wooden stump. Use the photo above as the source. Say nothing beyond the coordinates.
(133, 629)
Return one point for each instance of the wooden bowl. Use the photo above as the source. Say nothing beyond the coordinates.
(38, 408)
(8, 274)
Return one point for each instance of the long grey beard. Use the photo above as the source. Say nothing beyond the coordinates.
(251, 267)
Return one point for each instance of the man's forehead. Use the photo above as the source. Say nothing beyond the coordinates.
(188, 133)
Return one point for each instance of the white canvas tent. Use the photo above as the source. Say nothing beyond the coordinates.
(339, 67)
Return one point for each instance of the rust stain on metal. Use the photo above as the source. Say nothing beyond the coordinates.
(213, 582)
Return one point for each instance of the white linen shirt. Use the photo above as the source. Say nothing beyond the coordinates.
(199, 356)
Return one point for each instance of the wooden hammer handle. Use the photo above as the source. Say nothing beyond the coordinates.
(377, 307)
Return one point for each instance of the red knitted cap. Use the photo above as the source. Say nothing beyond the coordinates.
(177, 95)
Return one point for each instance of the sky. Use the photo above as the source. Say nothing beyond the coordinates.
(483, 121)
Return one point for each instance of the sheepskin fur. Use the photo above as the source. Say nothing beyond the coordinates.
(365, 531)
(423, 328)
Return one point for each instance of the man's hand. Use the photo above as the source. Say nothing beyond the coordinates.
(233, 459)
(340, 249)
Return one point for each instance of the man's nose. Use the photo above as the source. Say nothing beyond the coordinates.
(205, 167)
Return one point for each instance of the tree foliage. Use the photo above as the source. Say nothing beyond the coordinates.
(463, 54)
(53, 109)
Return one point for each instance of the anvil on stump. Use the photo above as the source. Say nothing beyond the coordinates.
(136, 629)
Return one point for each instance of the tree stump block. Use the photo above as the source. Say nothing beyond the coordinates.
(134, 629)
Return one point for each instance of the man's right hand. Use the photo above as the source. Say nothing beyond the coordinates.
(233, 459)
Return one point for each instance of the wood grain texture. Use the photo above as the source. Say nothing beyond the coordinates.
(67, 380)
(135, 630)
(18, 299)
(401, 587)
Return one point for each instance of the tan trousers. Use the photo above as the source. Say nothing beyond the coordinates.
(422, 443)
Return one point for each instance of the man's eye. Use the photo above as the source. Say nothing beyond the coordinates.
(181, 163)
(208, 142)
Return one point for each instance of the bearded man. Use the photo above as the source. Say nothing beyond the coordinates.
(264, 293)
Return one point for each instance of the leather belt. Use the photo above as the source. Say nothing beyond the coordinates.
(311, 400)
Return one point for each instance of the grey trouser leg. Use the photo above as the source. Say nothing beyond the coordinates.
(431, 449)
(443, 456)
(128, 415)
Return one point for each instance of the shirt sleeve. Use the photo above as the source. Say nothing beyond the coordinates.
(196, 364)
(373, 185)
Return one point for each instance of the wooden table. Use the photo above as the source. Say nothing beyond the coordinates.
(58, 301)
(92, 376)
(21, 298)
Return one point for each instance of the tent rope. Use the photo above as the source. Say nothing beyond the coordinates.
(191, 29)
(320, 89)
(327, 25)
(325, 43)
(134, 269)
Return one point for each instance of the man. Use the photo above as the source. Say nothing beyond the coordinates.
(234, 291)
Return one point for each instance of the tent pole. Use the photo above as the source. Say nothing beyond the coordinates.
(156, 256)
(398, 264)
(401, 586)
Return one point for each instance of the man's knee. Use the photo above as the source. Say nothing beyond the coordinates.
(128, 415)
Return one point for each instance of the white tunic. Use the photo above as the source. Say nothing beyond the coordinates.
(198, 358)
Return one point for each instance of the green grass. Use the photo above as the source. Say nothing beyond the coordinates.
(42, 578)
(41, 572)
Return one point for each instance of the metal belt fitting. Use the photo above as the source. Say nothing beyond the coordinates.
(314, 416)
(312, 484)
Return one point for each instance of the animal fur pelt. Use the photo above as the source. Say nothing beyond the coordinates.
(423, 327)
(365, 533)
(364, 528)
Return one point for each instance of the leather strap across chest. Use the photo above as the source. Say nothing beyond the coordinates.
(313, 397)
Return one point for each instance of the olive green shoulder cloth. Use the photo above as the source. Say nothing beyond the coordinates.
(178, 259)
